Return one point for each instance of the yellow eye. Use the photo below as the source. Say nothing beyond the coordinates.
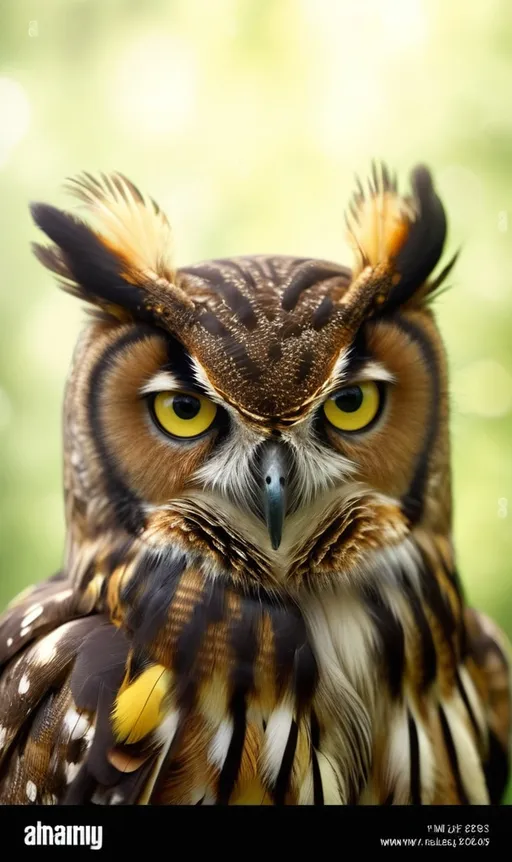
(354, 407)
(183, 414)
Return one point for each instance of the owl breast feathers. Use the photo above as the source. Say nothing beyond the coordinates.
(259, 602)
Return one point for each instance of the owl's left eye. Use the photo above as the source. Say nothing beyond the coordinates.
(353, 407)
(183, 414)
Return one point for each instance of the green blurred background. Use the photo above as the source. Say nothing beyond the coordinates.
(246, 120)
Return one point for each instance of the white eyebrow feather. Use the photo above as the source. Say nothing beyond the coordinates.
(162, 381)
(341, 375)
(375, 371)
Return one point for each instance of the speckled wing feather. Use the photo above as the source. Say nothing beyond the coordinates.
(92, 711)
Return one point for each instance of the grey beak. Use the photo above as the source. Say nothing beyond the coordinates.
(274, 480)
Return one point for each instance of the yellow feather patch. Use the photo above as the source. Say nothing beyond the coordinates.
(253, 793)
(139, 708)
(130, 224)
(378, 221)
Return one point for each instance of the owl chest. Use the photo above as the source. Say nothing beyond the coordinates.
(274, 699)
(330, 697)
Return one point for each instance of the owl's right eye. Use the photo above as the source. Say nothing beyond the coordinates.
(355, 407)
(183, 414)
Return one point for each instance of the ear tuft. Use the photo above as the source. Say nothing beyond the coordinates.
(132, 225)
(403, 236)
(122, 261)
(426, 237)
(378, 220)
(86, 267)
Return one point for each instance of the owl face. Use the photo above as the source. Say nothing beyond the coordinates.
(270, 392)
(158, 423)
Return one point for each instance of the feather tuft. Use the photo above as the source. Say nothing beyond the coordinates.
(378, 220)
(397, 239)
(132, 225)
(120, 258)
(139, 708)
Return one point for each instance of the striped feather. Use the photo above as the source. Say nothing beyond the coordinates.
(131, 224)
(198, 695)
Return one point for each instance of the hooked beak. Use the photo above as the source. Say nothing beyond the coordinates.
(274, 488)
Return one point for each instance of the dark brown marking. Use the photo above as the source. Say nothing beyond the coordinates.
(305, 365)
(414, 752)
(209, 610)
(386, 181)
(452, 755)
(149, 593)
(428, 651)
(323, 313)
(261, 271)
(275, 352)
(244, 275)
(392, 638)
(318, 791)
(290, 329)
(414, 499)
(283, 778)
(230, 293)
(212, 324)
(239, 355)
(354, 212)
(425, 241)
(469, 708)
(306, 278)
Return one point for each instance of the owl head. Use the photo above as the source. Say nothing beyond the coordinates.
(288, 404)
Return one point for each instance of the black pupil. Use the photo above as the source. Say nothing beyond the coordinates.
(186, 406)
(350, 399)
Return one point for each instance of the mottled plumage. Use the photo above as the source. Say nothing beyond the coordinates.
(266, 610)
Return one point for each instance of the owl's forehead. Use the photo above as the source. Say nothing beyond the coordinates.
(267, 336)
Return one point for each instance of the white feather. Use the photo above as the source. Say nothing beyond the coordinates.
(167, 728)
(397, 767)
(72, 770)
(353, 636)
(163, 381)
(343, 698)
(31, 615)
(469, 763)
(230, 472)
(426, 759)
(387, 564)
(375, 371)
(165, 734)
(220, 743)
(473, 698)
(276, 737)
(76, 724)
(306, 789)
(317, 467)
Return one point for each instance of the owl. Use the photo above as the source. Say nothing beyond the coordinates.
(259, 601)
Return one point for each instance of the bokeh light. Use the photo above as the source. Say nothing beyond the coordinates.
(153, 93)
(14, 116)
